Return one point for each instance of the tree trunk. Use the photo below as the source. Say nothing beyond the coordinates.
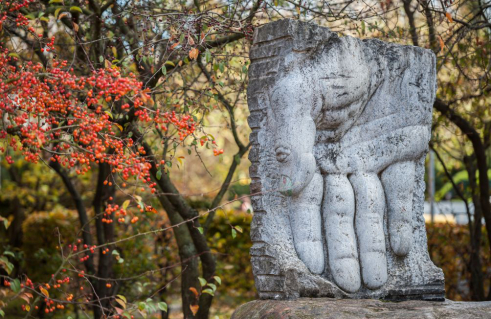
(105, 234)
(477, 278)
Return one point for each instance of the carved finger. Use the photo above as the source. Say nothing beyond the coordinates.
(306, 224)
(370, 207)
(398, 182)
(339, 210)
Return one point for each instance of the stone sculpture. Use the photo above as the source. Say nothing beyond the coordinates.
(340, 130)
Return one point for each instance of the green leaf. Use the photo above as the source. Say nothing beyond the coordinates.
(8, 253)
(120, 260)
(234, 233)
(142, 306)
(75, 9)
(109, 114)
(6, 223)
(115, 252)
(164, 70)
(9, 267)
(44, 19)
(208, 291)
(101, 58)
(6, 264)
(221, 66)
(55, 1)
(207, 56)
(15, 285)
(181, 38)
(2, 313)
(213, 287)
(15, 55)
(57, 12)
(363, 27)
(170, 63)
(125, 205)
(200, 229)
(162, 306)
(159, 174)
(218, 279)
(122, 298)
(237, 159)
(239, 229)
(202, 281)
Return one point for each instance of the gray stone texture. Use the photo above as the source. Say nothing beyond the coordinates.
(325, 308)
(340, 130)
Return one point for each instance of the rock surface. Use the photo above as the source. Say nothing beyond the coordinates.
(325, 308)
(340, 130)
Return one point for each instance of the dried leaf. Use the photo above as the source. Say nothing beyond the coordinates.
(194, 291)
(121, 302)
(75, 27)
(151, 102)
(442, 44)
(26, 296)
(193, 53)
(194, 309)
(119, 126)
(174, 45)
(63, 15)
(449, 17)
(44, 292)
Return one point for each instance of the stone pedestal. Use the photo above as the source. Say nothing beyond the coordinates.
(327, 308)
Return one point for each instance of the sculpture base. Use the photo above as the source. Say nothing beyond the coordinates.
(326, 308)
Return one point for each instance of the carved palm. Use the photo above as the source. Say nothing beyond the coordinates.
(336, 176)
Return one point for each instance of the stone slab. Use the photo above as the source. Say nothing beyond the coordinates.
(340, 130)
(327, 308)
